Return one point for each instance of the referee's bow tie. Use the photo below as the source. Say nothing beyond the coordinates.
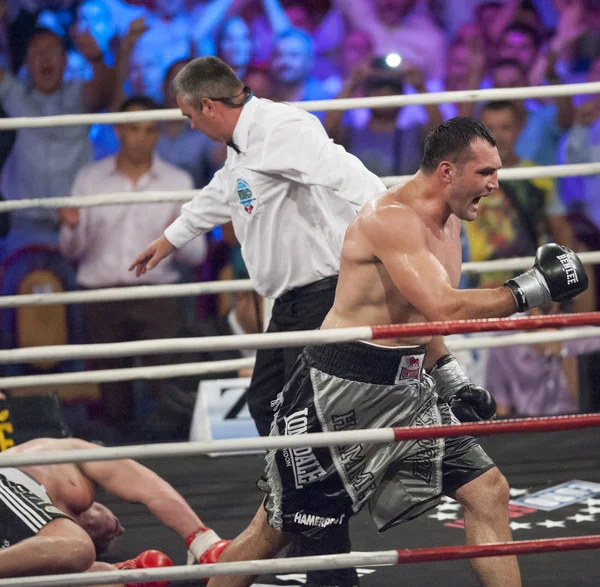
(233, 146)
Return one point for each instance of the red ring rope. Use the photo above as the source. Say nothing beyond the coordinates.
(446, 553)
(489, 325)
(546, 424)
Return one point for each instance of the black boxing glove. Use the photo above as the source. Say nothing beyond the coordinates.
(473, 404)
(469, 403)
(558, 274)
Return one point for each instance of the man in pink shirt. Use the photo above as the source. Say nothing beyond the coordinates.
(101, 239)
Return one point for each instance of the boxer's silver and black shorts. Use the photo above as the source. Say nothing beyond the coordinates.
(353, 386)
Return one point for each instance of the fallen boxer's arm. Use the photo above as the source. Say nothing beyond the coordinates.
(130, 481)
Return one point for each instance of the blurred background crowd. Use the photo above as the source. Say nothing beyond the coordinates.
(70, 56)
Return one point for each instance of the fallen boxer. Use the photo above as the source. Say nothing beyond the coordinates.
(50, 522)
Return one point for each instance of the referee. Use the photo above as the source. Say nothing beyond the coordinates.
(290, 192)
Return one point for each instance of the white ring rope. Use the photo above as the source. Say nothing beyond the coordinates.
(197, 572)
(139, 292)
(249, 341)
(517, 263)
(310, 439)
(184, 345)
(112, 199)
(196, 448)
(122, 198)
(461, 343)
(493, 94)
(111, 375)
(143, 292)
(519, 173)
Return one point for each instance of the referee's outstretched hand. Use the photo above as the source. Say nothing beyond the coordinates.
(151, 256)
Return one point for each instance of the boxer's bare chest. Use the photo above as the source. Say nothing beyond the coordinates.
(445, 245)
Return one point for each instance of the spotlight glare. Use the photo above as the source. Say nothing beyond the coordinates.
(393, 60)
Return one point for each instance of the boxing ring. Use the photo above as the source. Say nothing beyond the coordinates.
(549, 460)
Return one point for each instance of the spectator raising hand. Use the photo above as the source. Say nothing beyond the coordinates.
(99, 91)
(86, 44)
(465, 70)
(476, 50)
(354, 87)
(415, 77)
(571, 26)
(137, 27)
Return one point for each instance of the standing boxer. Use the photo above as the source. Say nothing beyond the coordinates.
(401, 263)
(290, 192)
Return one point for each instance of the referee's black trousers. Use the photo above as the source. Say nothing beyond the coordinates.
(303, 308)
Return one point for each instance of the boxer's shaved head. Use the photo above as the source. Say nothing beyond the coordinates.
(102, 526)
(206, 77)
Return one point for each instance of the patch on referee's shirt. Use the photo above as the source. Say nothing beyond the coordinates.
(247, 199)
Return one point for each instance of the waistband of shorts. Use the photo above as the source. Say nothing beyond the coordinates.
(8, 470)
(368, 363)
(14, 474)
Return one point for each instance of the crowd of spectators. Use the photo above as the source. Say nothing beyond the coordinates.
(70, 56)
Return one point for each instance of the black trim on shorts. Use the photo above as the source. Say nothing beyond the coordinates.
(361, 362)
(405, 515)
(468, 478)
(23, 512)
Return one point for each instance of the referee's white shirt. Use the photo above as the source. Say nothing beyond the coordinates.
(290, 193)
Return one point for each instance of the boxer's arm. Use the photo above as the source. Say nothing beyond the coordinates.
(397, 238)
(207, 209)
(436, 349)
(133, 482)
(130, 481)
(469, 403)
(100, 567)
(61, 546)
(300, 150)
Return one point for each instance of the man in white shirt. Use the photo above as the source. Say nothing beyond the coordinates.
(290, 193)
(101, 238)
